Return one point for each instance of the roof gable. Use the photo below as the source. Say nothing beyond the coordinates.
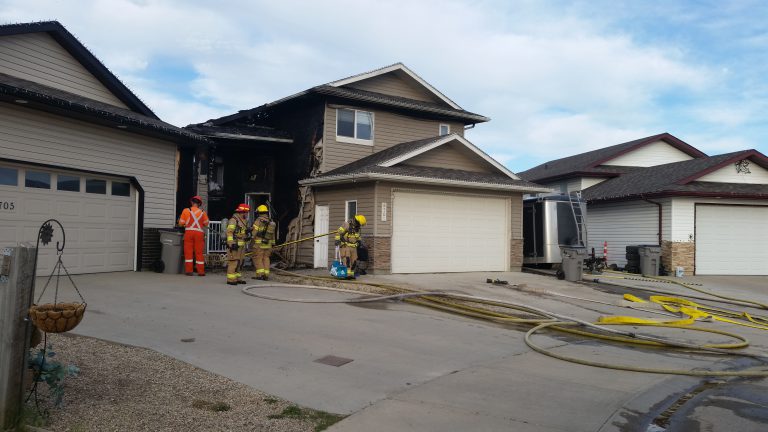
(732, 169)
(452, 155)
(411, 153)
(592, 163)
(650, 154)
(68, 55)
(408, 83)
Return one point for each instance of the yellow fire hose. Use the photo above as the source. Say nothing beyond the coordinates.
(456, 303)
(297, 241)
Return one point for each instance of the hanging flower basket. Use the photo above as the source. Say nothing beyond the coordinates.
(57, 317)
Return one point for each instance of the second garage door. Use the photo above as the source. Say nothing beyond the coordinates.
(731, 240)
(449, 233)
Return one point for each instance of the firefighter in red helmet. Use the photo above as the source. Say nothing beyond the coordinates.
(195, 221)
(237, 231)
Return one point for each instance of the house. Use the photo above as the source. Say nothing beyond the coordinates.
(708, 213)
(78, 146)
(385, 144)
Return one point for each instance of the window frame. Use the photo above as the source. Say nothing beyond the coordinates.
(30, 171)
(447, 128)
(106, 186)
(79, 183)
(346, 210)
(355, 140)
(18, 176)
(111, 188)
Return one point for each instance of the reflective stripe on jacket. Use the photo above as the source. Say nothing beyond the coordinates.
(347, 234)
(236, 230)
(193, 219)
(264, 232)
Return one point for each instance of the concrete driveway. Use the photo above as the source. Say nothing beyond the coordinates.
(412, 368)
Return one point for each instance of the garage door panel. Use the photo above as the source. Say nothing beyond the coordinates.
(445, 233)
(731, 240)
(100, 228)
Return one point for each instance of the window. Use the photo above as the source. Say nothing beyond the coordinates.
(9, 176)
(350, 209)
(445, 129)
(68, 183)
(121, 188)
(37, 179)
(354, 126)
(96, 186)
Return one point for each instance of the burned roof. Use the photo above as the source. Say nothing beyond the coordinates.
(587, 164)
(249, 132)
(70, 43)
(678, 178)
(35, 95)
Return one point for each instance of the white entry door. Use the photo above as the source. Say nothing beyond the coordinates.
(449, 233)
(731, 240)
(321, 243)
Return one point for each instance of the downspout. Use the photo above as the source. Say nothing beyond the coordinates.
(658, 204)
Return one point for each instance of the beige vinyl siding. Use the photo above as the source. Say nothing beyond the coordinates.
(335, 198)
(37, 137)
(728, 174)
(453, 157)
(384, 194)
(683, 220)
(38, 57)
(396, 84)
(656, 153)
(388, 129)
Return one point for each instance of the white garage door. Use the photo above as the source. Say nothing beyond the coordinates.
(447, 233)
(731, 240)
(98, 214)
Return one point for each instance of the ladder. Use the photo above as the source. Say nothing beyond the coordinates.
(579, 216)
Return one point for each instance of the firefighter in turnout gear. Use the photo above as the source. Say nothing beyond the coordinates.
(263, 241)
(195, 221)
(347, 240)
(237, 233)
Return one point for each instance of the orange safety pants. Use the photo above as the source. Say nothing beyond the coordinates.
(193, 251)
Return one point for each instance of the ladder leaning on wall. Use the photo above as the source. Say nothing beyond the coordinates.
(578, 209)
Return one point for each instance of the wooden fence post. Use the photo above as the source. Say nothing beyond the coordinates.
(17, 272)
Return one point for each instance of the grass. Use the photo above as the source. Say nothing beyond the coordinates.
(270, 400)
(321, 419)
(219, 406)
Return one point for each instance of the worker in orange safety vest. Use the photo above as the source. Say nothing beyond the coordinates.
(195, 221)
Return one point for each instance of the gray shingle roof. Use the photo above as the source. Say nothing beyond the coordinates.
(674, 178)
(587, 163)
(246, 132)
(370, 165)
(69, 103)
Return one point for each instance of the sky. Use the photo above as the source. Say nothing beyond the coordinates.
(556, 77)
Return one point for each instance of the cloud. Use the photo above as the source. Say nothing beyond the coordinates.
(556, 79)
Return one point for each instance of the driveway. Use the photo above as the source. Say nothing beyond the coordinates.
(412, 368)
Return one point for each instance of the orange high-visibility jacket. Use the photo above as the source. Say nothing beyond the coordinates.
(193, 219)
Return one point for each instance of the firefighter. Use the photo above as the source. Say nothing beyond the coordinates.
(348, 239)
(237, 232)
(195, 221)
(263, 233)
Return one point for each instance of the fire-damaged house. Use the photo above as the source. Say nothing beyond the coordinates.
(385, 144)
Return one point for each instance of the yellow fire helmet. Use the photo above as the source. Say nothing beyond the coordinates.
(262, 209)
(360, 219)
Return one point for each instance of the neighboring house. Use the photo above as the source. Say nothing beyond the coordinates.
(78, 146)
(385, 144)
(708, 213)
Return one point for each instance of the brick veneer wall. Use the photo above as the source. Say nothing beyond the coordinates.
(678, 254)
(516, 255)
(150, 248)
(379, 253)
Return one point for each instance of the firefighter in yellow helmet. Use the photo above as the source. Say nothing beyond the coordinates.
(348, 239)
(237, 231)
(263, 233)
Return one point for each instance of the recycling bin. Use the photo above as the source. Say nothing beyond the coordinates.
(650, 259)
(172, 253)
(573, 262)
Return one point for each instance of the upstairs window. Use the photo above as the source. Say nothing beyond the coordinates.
(445, 129)
(354, 126)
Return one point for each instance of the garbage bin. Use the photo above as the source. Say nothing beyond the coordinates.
(172, 252)
(573, 262)
(650, 258)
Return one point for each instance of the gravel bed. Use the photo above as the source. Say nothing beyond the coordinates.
(123, 388)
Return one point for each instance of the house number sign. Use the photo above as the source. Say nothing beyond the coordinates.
(7, 206)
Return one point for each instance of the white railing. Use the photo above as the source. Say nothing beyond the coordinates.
(214, 242)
